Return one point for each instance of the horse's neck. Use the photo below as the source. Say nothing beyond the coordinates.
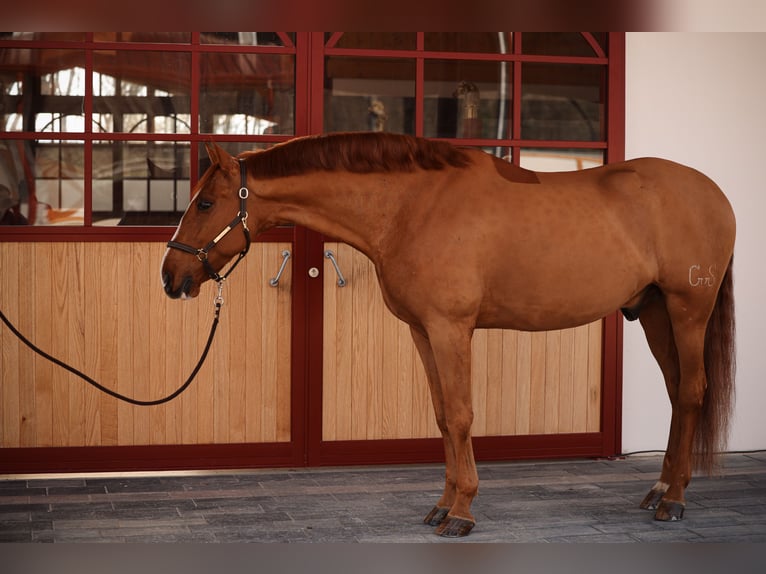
(353, 208)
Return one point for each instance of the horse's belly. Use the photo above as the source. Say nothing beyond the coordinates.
(558, 301)
(538, 319)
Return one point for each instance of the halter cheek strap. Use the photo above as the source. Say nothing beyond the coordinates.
(241, 217)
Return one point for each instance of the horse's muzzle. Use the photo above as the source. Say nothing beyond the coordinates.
(181, 291)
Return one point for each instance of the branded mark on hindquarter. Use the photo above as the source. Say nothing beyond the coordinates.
(701, 278)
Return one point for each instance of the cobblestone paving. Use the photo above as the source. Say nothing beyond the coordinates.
(569, 501)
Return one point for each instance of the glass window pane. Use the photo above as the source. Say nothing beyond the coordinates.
(141, 92)
(149, 37)
(563, 102)
(486, 42)
(560, 159)
(246, 38)
(247, 93)
(41, 182)
(375, 94)
(467, 99)
(42, 90)
(556, 44)
(44, 36)
(376, 40)
(139, 182)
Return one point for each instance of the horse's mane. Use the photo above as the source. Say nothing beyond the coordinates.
(357, 152)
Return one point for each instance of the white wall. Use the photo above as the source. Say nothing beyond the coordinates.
(700, 99)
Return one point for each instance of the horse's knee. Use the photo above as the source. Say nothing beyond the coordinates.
(459, 424)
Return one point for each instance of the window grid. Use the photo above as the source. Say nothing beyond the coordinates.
(299, 47)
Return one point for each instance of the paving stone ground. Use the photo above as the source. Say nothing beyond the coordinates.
(549, 501)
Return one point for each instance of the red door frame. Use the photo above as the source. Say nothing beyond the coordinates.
(306, 446)
(606, 442)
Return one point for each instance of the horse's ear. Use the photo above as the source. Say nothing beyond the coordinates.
(218, 155)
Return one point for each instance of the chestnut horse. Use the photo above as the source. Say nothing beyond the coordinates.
(462, 240)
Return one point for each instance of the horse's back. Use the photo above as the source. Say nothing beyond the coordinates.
(530, 253)
(660, 194)
(679, 220)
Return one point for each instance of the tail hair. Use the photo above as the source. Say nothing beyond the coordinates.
(720, 368)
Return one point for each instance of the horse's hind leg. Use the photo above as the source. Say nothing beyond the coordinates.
(655, 321)
(449, 361)
(688, 317)
(689, 326)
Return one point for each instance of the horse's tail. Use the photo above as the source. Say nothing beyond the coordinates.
(720, 368)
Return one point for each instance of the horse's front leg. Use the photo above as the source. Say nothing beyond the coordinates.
(439, 512)
(450, 346)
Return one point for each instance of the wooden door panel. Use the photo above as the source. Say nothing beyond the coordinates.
(374, 386)
(100, 308)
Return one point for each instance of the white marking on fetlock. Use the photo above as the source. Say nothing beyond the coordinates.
(660, 486)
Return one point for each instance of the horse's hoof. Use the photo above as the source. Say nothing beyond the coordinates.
(652, 500)
(669, 511)
(454, 527)
(436, 516)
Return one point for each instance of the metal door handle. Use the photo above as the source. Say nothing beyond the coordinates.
(331, 256)
(274, 281)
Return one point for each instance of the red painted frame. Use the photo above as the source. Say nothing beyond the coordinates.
(606, 442)
(306, 447)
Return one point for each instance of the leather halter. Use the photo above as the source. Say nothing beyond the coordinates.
(241, 217)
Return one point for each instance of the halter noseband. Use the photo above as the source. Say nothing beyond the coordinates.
(241, 217)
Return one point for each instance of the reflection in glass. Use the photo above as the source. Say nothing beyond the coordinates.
(375, 40)
(148, 37)
(466, 99)
(140, 183)
(560, 43)
(42, 90)
(41, 182)
(563, 102)
(44, 36)
(247, 38)
(141, 92)
(560, 159)
(364, 94)
(249, 94)
(487, 42)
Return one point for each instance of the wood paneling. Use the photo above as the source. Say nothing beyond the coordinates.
(375, 387)
(100, 308)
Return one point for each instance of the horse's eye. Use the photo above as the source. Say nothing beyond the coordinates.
(204, 205)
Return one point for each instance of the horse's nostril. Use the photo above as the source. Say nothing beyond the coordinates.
(186, 285)
(183, 289)
(167, 282)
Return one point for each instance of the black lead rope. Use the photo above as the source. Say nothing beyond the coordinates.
(116, 395)
(201, 254)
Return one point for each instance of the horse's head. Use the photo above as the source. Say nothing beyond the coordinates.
(202, 243)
